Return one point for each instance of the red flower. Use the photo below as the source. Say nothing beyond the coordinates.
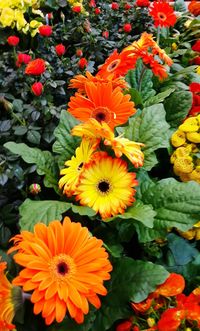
(37, 88)
(114, 6)
(127, 27)
(92, 3)
(194, 8)
(142, 3)
(196, 60)
(79, 52)
(50, 16)
(60, 49)
(124, 326)
(105, 34)
(22, 59)
(196, 46)
(97, 11)
(13, 40)
(45, 30)
(82, 63)
(171, 319)
(76, 9)
(173, 285)
(35, 67)
(195, 89)
(163, 14)
(127, 6)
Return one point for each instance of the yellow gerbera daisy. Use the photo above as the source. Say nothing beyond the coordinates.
(106, 186)
(75, 166)
(92, 128)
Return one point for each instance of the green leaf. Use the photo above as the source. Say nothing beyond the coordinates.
(139, 212)
(160, 97)
(45, 162)
(141, 79)
(34, 137)
(176, 204)
(136, 279)
(33, 212)
(177, 107)
(135, 96)
(65, 143)
(150, 128)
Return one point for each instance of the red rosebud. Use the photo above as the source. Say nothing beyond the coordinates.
(127, 6)
(124, 326)
(60, 49)
(82, 63)
(13, 40)
(35, 188)
(79, 52)
(127, 27)
(105, 34)
(142, 3)
(76, 9)
(196, 46)
(22, 59)
(45, 30)
(35, 67)
(37, 88)
(114, 6)
(196, 60)
(97, 11)
(92, 3)
(50, 16)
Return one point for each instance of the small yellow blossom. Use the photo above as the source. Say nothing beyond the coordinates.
(178, 138)
(191, 124)
(174, 46)
(195, 174)
(193, 137)
(198, 70)
(184, 164)
(7, 17)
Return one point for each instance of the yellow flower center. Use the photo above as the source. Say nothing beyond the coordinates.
(62, 267)
(104, 187)
(162, 16)
(102, 114)
(113, 65)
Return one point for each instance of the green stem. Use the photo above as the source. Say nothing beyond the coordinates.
(141, 77)
(22, 122)
(158, 35)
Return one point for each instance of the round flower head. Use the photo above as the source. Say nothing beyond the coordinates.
(191, 124)
(60, 49)
(35, 67)
(178, 138)
(37, 88)
(75, 166)
(107, 186)
(64, 266)
(10, 300)
(102, 103)
(13, 40)
(163, 14)
(45, 30)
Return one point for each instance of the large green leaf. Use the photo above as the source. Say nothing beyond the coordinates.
(138, 212)
(44, 160)
(150, 128)
(130, 281)
(177, 107)
(65, 143)
(158, 98)
(176, 204)
(33, 212)
(141, 79)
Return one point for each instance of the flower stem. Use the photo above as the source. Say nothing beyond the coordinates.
(158, 35)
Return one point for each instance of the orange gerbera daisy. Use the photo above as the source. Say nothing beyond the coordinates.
(94, 129)
(163, 14)
(10, 299)
(79, 81)
(107, 186)
(117, 64)
(64, 266)
(103, 103)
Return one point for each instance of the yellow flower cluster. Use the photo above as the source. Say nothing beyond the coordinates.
(186, 157)
(12, 15)
(193, 233)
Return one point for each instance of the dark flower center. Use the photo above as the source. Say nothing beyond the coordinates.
(104, 186)
(162, 16)
(101, 114)
(113, 65)
(62, 268)
(80, 166)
